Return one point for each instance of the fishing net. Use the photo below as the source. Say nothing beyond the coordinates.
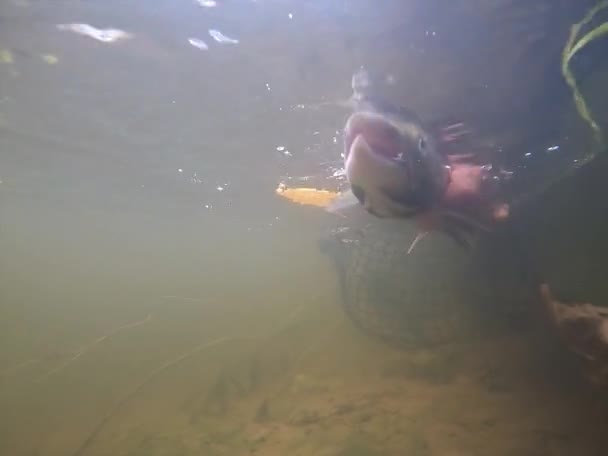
(435, 295)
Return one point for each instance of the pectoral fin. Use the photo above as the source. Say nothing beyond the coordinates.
(344, 201)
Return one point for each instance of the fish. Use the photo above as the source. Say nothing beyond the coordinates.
(395, 169)
(105, 35)
(390, 160)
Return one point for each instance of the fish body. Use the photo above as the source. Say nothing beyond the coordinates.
(396, 170)
(390, 160)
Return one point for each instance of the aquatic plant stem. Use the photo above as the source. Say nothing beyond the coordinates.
(572, 47)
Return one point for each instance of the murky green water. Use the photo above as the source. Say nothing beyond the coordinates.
(158, 298)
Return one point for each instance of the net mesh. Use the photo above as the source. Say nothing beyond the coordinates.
(432, 296)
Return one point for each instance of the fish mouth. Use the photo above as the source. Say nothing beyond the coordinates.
(375, 166)
(392, 165)
(381, 136)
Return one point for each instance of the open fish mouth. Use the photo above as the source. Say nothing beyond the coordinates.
(378, 166)
(381, 136)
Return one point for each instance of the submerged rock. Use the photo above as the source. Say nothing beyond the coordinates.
(584, 329)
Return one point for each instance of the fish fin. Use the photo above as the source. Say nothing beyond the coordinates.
(461, 157)
(345, 200)
(455, 132)
(459, 129)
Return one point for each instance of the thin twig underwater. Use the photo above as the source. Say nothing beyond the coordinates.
(22, 365)
(83, 350)
(75, 354)
(133, 392)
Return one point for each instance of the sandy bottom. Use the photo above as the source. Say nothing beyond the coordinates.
(354, 397)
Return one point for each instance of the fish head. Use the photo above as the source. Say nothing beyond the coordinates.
(391, 162)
